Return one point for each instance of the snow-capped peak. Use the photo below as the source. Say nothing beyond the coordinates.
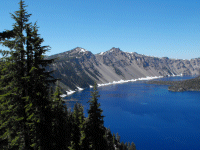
(111, 51)
(80, 50)
(83, 50)
(101, 53)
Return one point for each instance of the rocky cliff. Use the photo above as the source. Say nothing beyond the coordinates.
(80, 68)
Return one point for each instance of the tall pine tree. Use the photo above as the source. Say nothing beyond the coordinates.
(61, 128)
(109, 139)
(13, 97)
(95, 130)
(76, 133)
(78, 127)
(24, 82)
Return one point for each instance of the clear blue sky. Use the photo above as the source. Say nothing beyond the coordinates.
(152, 27)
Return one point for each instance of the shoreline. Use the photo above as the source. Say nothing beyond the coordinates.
(70, 92)
(132, 80)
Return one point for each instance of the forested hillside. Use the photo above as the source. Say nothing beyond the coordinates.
(180, 86)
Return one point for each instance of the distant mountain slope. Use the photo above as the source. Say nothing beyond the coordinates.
(80, 68)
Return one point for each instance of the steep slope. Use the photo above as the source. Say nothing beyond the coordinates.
(80, 68)
(75, 68)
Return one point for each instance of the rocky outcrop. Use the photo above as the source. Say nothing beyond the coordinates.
(80, 68)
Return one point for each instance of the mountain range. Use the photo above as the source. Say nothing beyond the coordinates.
(79, 68)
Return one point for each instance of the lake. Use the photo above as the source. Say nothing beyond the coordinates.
(149, 115)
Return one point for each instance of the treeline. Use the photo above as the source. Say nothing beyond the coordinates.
(33, 115)
(180, 86)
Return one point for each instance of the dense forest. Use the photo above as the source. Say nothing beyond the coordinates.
(33, 115)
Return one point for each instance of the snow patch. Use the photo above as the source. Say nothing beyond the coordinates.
(80, 89)
(132, 80)
(111, 51)
(118, 82)
(63, 95)
(173, 75)
(101, 53)
(70, 92)
(83, 50)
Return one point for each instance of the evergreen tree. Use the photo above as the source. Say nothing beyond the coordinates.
(13, 97)
(70, 129)
(114, 140)
(95, 129)
(129, 145)
(81, 124)
(123, 146)
(77, 127)
(118, 137)
(118, 141)
(109, 139)
(38, 81)
(76, 135)
(61, 131)
(24, 84)
(132, 146)
(85, 141)
(126, 144)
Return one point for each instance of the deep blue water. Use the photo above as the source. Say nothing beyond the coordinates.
(149, 115)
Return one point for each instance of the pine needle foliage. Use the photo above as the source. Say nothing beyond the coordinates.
(61, 132)
(95, 129)
(24, 83)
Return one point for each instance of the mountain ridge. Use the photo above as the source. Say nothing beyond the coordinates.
(81, 68)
